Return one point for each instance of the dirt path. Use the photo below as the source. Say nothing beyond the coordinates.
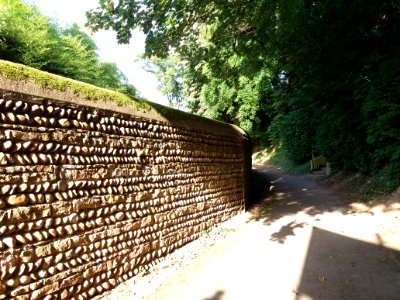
(301, 242)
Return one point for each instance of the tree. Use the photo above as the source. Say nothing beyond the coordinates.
(169, 72)
(26, 36)
(325, 73)
(32, 39)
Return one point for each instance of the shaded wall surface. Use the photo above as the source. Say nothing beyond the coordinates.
(90, 196)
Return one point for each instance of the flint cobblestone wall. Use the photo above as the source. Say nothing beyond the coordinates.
(90, 196)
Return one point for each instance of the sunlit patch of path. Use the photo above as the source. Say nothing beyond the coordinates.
(301, 242)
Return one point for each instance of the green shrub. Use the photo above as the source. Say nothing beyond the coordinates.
(280, 160)
(294, 132)
(341, 140)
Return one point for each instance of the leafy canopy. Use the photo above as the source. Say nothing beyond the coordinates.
(28, 37)
(318, 76)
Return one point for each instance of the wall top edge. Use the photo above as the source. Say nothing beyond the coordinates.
(26, 80)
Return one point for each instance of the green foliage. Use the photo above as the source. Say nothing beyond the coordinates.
(307, 75)
(29, 38)
(216, 66)
(344, 150)
(294, 133)
(343, 77)
(26, 36)
(384, 181)
(277, 157)
(347, 74)
(370, 185)
(381, 110)
(169, 72)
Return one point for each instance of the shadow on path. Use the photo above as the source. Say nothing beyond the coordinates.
(339, 267)
(336, 266)
(300, 242)
(280, 195)
(285, 231)
(217, 296)
(290, 194)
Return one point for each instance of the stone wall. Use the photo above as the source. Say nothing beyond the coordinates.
(89, 197)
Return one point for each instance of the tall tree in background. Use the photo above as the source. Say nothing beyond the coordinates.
(225, 64)
(169, 72)
(310, 75)
(342, 63)
(28, 37)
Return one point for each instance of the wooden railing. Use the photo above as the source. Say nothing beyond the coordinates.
(317, 163)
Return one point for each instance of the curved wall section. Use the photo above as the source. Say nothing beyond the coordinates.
(90, 196)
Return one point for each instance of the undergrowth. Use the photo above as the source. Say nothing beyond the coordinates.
(277, 158)
(368, 186)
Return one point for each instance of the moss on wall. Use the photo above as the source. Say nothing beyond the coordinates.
(19, 72)
(107, 99)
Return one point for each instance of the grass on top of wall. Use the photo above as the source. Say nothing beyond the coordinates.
(85, 91)
(47, 80)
